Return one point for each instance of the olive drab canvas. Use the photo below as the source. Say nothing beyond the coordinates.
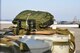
(43, 19)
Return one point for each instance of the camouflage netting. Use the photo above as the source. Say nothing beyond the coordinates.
(43, 19)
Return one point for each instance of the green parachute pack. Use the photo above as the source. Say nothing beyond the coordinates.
(43, 19)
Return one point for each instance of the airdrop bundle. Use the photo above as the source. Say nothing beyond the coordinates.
(31, 22)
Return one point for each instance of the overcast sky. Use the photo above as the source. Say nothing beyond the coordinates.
(61, 9)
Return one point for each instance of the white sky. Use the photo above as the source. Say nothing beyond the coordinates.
(61, 9)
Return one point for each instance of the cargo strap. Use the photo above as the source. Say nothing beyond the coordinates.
(72, 38)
